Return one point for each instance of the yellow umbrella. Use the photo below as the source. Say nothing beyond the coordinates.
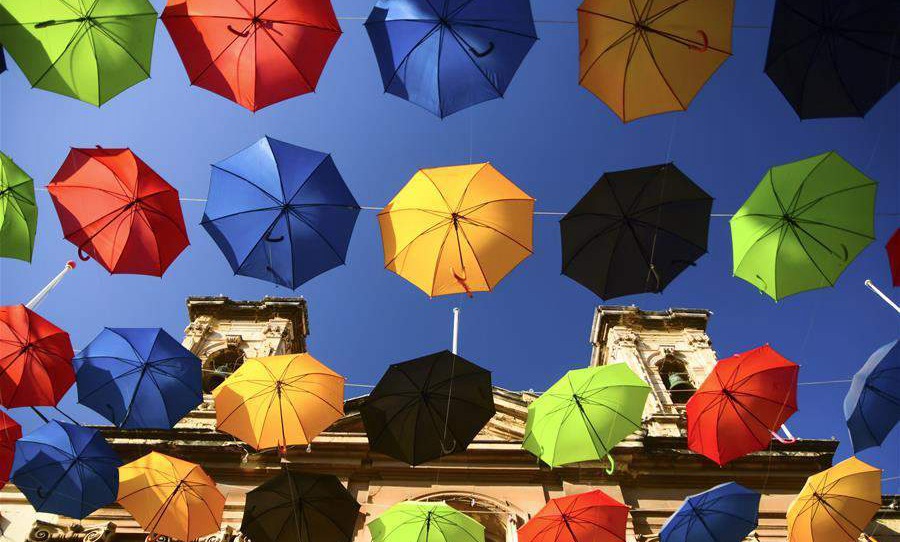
(457, 229)
(279, 401)
(643, 57)
(836, 504)
(170, 497)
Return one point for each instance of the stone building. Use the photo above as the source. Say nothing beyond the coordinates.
(495, 481)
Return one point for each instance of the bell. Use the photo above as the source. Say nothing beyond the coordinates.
(678, 381)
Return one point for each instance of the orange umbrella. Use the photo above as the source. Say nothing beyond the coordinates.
(836, 504)
(279, 401)
(170, 497)
(643, 57)
(457, 229)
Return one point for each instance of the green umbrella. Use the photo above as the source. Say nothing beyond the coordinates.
(87, 49)
(425, 522)
(803, 224)
(585, 414)
(18, 211)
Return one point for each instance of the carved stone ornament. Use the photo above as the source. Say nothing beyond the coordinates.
(199, 327)
(699, 340)
(225, 535)
(626, 339)
(233, 341)
(276, 330)
(48, 532)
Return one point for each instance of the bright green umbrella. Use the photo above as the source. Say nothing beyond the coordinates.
(585, 414)
(18, 211)
(803, 224)
(87, 49)
(425, 522)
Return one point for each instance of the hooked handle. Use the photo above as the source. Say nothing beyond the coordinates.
(486, 52)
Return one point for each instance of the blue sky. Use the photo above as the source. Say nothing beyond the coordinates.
(550, 136)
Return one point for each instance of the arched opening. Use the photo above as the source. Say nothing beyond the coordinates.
(499, 523)
(676, 380)
(219, 365)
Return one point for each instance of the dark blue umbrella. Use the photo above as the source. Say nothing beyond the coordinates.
(138, 378)
(726, 513)
(280, 213)
(66, 469)
(872, 406)
(450, 54)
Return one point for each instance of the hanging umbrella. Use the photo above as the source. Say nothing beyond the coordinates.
(833, 58)
(425, 522)
(593, 516)
(117, 210)
(10, 432)
(872, 406)
(726, 513)
(280, 213)
(741, 404)
(66, 469)
(585, 414)
(279, 401)
(635, 231)
(448, 56)
(803, 225)
(654, 58)
(91, 51)
(836, 504)
(18, 211)
(893, 250)
(2, 60)
(254, 53)
(138, 378)
(35, 359)
(457, 229)
(300, 507)
(428, 407)
(170, 497)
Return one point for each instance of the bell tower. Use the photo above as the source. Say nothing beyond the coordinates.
(669, 349)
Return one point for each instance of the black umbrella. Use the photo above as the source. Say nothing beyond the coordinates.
(635, 231)
(2, 60)
(300, 507)
(834, 58)
(428, 407)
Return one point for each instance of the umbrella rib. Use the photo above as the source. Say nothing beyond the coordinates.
(477, 207)
(425, 232)
(481, 224)
(472, 23)
(114, 39)
(424, 173)
(808, 205)
(832, 226)
(261, 209)
(64, 185)
(315, 230)
(218, 56)
(840, 78)
(412, 49)
(278, 203)
(792, 229)
(76, 36)
(667, 230)
(777, 227)
(474, 256)
(629, 34)
(289, 200)
(465, 191)
(294, 64)
(646, 40)
(467, 49)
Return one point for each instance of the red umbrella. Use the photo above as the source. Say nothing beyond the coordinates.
(116, 209)
(893, 250)
(10, 432)
(253, 52)
(35, 359)
(738, 408)
(593, 516)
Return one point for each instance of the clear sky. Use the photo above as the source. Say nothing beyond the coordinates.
(550, 136)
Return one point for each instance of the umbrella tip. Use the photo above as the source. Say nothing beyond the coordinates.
(70, 264)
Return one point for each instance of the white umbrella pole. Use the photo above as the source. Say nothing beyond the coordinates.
(882, 295)
(455, 330)
(36, 300)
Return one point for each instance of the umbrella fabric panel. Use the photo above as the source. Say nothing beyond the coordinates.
(10, 432)
(18, 210)
(872, 405)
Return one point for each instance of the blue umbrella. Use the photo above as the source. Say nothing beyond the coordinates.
(66, 469)
(280, 213)
(726, 513)
(451, 54)
(872, 406)
(138, 378)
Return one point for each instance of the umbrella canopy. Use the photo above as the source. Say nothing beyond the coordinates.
(872, 406)
(10, 432)
(635, 231)
(2, 60)
(457, 229)
(254, 53)
(138, 378)
(425, 522)
(279, 401)
(91, 51)
(170, 497)
(118, 211)
(280, 213)
(803, 225)
(741, 403)
(18, 211)
(583, 415)
(836, 504)
(593, 516)
(300, 507)
(893, 250)
(642, 58)
(35, 359)
(448, 58)
(726, 513)
(66, 469)
(428, 407)
(833, 58)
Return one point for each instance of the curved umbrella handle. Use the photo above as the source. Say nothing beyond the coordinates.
(486, 52)
(270, 239)
(234, 31)
(704, 47)
(82, 255)
(461, 279)
(612, 464)
(447, 451)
